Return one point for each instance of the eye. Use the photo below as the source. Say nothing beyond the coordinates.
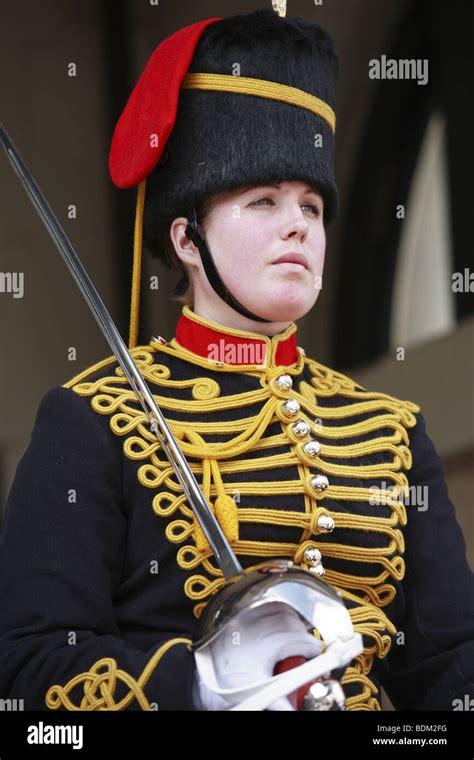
(314, 208)
(255, 203)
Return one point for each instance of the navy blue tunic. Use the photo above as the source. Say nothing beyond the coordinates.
(102, 563)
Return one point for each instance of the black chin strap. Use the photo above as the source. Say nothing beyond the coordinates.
(194, 233)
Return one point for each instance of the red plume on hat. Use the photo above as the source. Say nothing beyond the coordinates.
(144, 127)
(149, 116)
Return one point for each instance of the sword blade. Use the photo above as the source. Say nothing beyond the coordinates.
(225, 557)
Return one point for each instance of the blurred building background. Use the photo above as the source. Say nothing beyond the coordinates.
(404, 166)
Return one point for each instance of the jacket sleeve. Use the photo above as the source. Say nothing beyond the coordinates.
(62, 548)
(431, 663)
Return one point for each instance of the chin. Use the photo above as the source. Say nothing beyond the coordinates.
(285, 307)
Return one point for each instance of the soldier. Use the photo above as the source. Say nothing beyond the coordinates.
(104, 570)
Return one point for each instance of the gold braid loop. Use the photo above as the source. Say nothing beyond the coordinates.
(100, 683)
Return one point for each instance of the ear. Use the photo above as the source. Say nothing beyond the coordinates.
(185, 248)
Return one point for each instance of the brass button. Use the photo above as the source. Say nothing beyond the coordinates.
(284, 382)
(320, 482)
(325, 523)
(312, 557)
(312, 448)
(301, 429)
(159, 339)
(290, 407)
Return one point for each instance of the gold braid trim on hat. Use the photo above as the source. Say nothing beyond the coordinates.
(261, 88)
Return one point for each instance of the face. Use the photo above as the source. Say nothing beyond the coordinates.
(248, 230)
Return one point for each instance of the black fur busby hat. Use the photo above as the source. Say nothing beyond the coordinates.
(221, 104)
(224, 140)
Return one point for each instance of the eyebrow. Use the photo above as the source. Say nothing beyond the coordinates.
(310, 189)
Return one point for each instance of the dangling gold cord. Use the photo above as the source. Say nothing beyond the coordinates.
(137, 263)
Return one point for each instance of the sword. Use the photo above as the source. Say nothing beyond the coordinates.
(225, 557)
(279, 575)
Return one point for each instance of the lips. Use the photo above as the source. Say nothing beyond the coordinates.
(292, 258)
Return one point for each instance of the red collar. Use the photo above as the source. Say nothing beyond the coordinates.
(217, 343)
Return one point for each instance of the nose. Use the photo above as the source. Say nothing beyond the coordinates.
(296, 225)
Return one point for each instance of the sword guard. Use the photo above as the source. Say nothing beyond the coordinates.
(295, 697)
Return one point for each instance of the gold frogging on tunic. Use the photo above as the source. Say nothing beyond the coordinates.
(366, 593)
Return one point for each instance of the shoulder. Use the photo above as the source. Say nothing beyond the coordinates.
(332, 381)
(143, 356)
(107, 376)
(79, 408)
(66, 431)
(332, 387)
(107, 391)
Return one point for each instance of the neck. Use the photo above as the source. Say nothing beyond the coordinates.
(224, 315)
